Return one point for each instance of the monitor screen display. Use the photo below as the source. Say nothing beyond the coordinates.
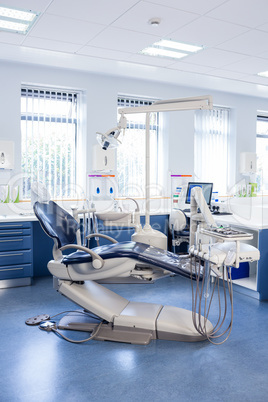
(206, 189)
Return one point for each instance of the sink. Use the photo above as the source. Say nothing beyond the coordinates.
(112, 215)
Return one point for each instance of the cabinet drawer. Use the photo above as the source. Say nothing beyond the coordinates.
(15, 257)
(16, 271)
(15, 225)
(15, 243)
(14, 232)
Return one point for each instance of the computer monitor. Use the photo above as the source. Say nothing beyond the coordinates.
(206, 189)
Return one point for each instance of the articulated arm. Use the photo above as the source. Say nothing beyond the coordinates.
(227, 248)
(198, 201)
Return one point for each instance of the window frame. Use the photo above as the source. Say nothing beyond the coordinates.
(52, 94)
(259, 175)
(124, 101)
(199, 161)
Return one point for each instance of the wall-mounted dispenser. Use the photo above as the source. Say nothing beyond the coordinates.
(248, 163)
(102, 187)
(103, 160)
(6, 155)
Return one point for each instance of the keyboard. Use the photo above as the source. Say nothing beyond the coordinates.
(221, 213)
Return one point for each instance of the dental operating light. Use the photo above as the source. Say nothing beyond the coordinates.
(110, 139)
(191, 103)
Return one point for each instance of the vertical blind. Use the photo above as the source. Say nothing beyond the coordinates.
(49, 135)
(262, 154)
(211, 147)
(131, 153)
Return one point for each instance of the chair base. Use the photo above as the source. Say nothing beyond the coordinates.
(126, 321)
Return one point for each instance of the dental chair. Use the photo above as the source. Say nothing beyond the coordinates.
(121, 320)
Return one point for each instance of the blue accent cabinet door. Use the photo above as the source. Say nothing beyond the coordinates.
(16, 250)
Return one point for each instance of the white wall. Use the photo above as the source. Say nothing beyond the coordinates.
(101, 94)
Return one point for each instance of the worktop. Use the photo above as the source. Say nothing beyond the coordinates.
(18, 218)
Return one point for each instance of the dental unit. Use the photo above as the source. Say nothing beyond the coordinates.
(109, 316)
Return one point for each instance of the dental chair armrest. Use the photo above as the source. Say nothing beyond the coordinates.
(97, 261)
(103, 236)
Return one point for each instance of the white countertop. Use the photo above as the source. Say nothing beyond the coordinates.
(17, 218)
(236, 220)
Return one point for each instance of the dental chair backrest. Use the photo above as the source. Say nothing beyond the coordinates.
(57, 223)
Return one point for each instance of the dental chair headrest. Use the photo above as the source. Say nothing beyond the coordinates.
(56, 222)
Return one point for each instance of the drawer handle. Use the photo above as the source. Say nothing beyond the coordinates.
(10, 255)
(9, 233)
(6, 241)
(10, 226)
(11, 269)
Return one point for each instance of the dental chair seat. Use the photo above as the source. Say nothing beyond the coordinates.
(137, 251)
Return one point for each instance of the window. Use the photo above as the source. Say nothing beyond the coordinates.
(211, 147)
(49, 138)
(131, 153)
(262, 154)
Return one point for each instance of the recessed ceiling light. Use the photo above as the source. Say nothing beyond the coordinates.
(154, 51)
(263, 74)
(171, 49)
(178, 46)
(16, 20)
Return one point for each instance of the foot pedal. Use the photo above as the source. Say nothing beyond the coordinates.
(37, 319)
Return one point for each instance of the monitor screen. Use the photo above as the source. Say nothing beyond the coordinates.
(206, 189)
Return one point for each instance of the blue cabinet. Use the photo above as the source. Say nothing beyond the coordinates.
(16, 262)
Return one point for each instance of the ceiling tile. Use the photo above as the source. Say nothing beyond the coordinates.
(247, 12)
(51, 45)
(227, 74)
(193, 68)
(250, 65)
(35, 5)
(250, 43)
(263, 27)
(263, 55)
(97, 11)
(149, 60)
(214, 58)
(136, 19)
(122, 40)
(207, 32)
(103, 53)
(65, 29)
(12, 38)
(194, 6)
(258, 80)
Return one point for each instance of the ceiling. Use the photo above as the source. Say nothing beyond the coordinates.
(106, 36)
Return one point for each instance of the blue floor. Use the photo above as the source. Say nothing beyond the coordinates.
(39, 366)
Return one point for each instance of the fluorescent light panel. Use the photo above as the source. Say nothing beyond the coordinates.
(263, 74)
(16, 20)
(171, 49)
(178, 46)
(153, 51)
